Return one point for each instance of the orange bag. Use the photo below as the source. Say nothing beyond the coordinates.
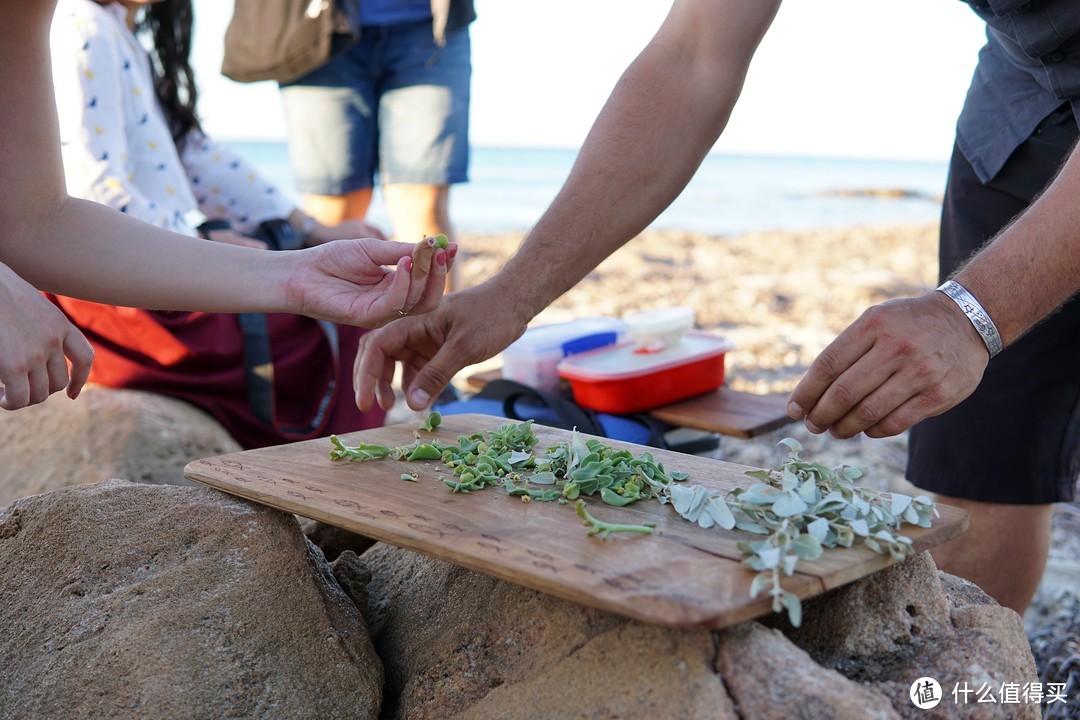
(199, 357)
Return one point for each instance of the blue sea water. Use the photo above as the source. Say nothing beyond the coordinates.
(510, 188)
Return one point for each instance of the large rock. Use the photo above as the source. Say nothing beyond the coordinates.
(884, 615)
(332, 540)
(122, 600)
(127, 434)
(771, 678)
(909, 621)
(459, 644)
(105, 433)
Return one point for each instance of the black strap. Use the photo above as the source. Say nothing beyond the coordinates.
(259, 376)
(570, 414)
(211, 225)
(278, 234)
(258, 365)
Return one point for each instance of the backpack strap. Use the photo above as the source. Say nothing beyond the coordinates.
(657, 429)
(570, 414)
(259, 377)
(258, 365)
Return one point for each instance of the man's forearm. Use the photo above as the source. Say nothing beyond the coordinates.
(1033, 266)
(663, 116)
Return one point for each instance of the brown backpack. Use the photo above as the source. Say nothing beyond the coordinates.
(282, 39)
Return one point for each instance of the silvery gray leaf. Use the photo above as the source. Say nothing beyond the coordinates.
(789, 504)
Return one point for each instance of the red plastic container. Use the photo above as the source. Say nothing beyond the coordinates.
(622, 379)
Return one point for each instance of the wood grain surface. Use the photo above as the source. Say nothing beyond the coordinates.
(728, 412)
(681, 576)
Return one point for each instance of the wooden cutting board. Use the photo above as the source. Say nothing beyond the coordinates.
(681, 576)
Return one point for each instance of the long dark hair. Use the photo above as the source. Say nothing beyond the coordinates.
(169, 25)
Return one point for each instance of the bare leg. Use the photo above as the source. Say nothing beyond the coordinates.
(1003, 552)
(333, 209)
(419, 210)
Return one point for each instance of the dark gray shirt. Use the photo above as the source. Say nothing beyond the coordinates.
(1029, 67)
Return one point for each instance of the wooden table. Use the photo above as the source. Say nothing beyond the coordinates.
(682, 576)
(724, 411)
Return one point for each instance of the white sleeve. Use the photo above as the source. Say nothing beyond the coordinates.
(227, 186)
(90, 89)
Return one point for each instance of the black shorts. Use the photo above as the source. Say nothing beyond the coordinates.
(1016, 439)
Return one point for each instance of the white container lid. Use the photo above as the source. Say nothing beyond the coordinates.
(659, 320)
(659, 328)
(560, 337)
(623, 361)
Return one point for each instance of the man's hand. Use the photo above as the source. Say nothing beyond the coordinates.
(901, 362)
(470, 326)
(348, 281)
(36, 341)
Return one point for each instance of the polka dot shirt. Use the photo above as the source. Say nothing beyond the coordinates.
(117, 147)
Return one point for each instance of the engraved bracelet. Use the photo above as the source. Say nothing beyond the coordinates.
(979, 318)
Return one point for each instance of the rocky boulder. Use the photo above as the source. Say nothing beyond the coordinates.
(911, 621)
(106, 433)
(332, 540)
(459, 644)
(770, 678)
(125, 600)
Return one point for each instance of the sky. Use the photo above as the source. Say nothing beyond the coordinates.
(833, 78)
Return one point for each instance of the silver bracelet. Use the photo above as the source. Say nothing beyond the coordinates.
(979, 318)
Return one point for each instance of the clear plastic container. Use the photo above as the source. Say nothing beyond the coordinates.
(533, 358)
(659, 329)
(622, 379)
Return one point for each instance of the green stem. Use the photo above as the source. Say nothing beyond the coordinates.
(603, 529)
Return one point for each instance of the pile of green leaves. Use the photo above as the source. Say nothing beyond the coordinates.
(504, 457)
(800, 508)
(587, 467)
(478, 460)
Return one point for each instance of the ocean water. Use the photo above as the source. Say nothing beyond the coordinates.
(510, 188)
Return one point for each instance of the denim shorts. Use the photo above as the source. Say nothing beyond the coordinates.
(393, 105)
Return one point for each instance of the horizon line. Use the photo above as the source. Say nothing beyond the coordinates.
(727, 152)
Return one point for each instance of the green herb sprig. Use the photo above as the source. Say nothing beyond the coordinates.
(587, 467)
(802, 508)
(363, 451)
(604, 529)
(504, 457)
(433, 421)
